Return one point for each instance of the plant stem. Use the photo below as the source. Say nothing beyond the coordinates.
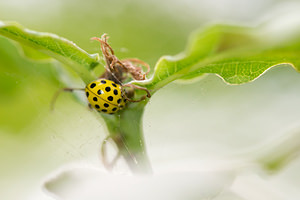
(126, 129)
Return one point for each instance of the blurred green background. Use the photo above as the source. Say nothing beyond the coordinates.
(204, 119)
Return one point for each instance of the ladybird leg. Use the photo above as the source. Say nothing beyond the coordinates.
(135, 101)
(107, 165)
(55, 96)
(139, 88)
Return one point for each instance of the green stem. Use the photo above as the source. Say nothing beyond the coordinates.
(127, 132)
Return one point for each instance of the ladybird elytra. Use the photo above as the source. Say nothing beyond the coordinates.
(105, 96)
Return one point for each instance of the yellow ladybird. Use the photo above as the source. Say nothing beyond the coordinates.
(105, 96)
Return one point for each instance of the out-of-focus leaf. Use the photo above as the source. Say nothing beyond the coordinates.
(79, 184)
(237, 54)
(33, 54)
(245, 66)
(26, 88)
(57, 47)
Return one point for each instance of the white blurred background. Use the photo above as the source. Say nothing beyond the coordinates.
(185, 125)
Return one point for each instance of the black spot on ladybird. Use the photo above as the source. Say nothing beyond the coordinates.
(97, 106)
(119, 101)
(87, 94)
(106, 105)
(103, 81)
(114, 85)
(115, 92)
(95, 99)
(99, 92)
(110, 98)
(92, 85)
(114, 109)
(107, 89)
(104, 110)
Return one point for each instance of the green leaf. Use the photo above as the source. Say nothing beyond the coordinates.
(26, 88)
(237, 54)
(33, 54)
(54, 46)
(244, 66)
